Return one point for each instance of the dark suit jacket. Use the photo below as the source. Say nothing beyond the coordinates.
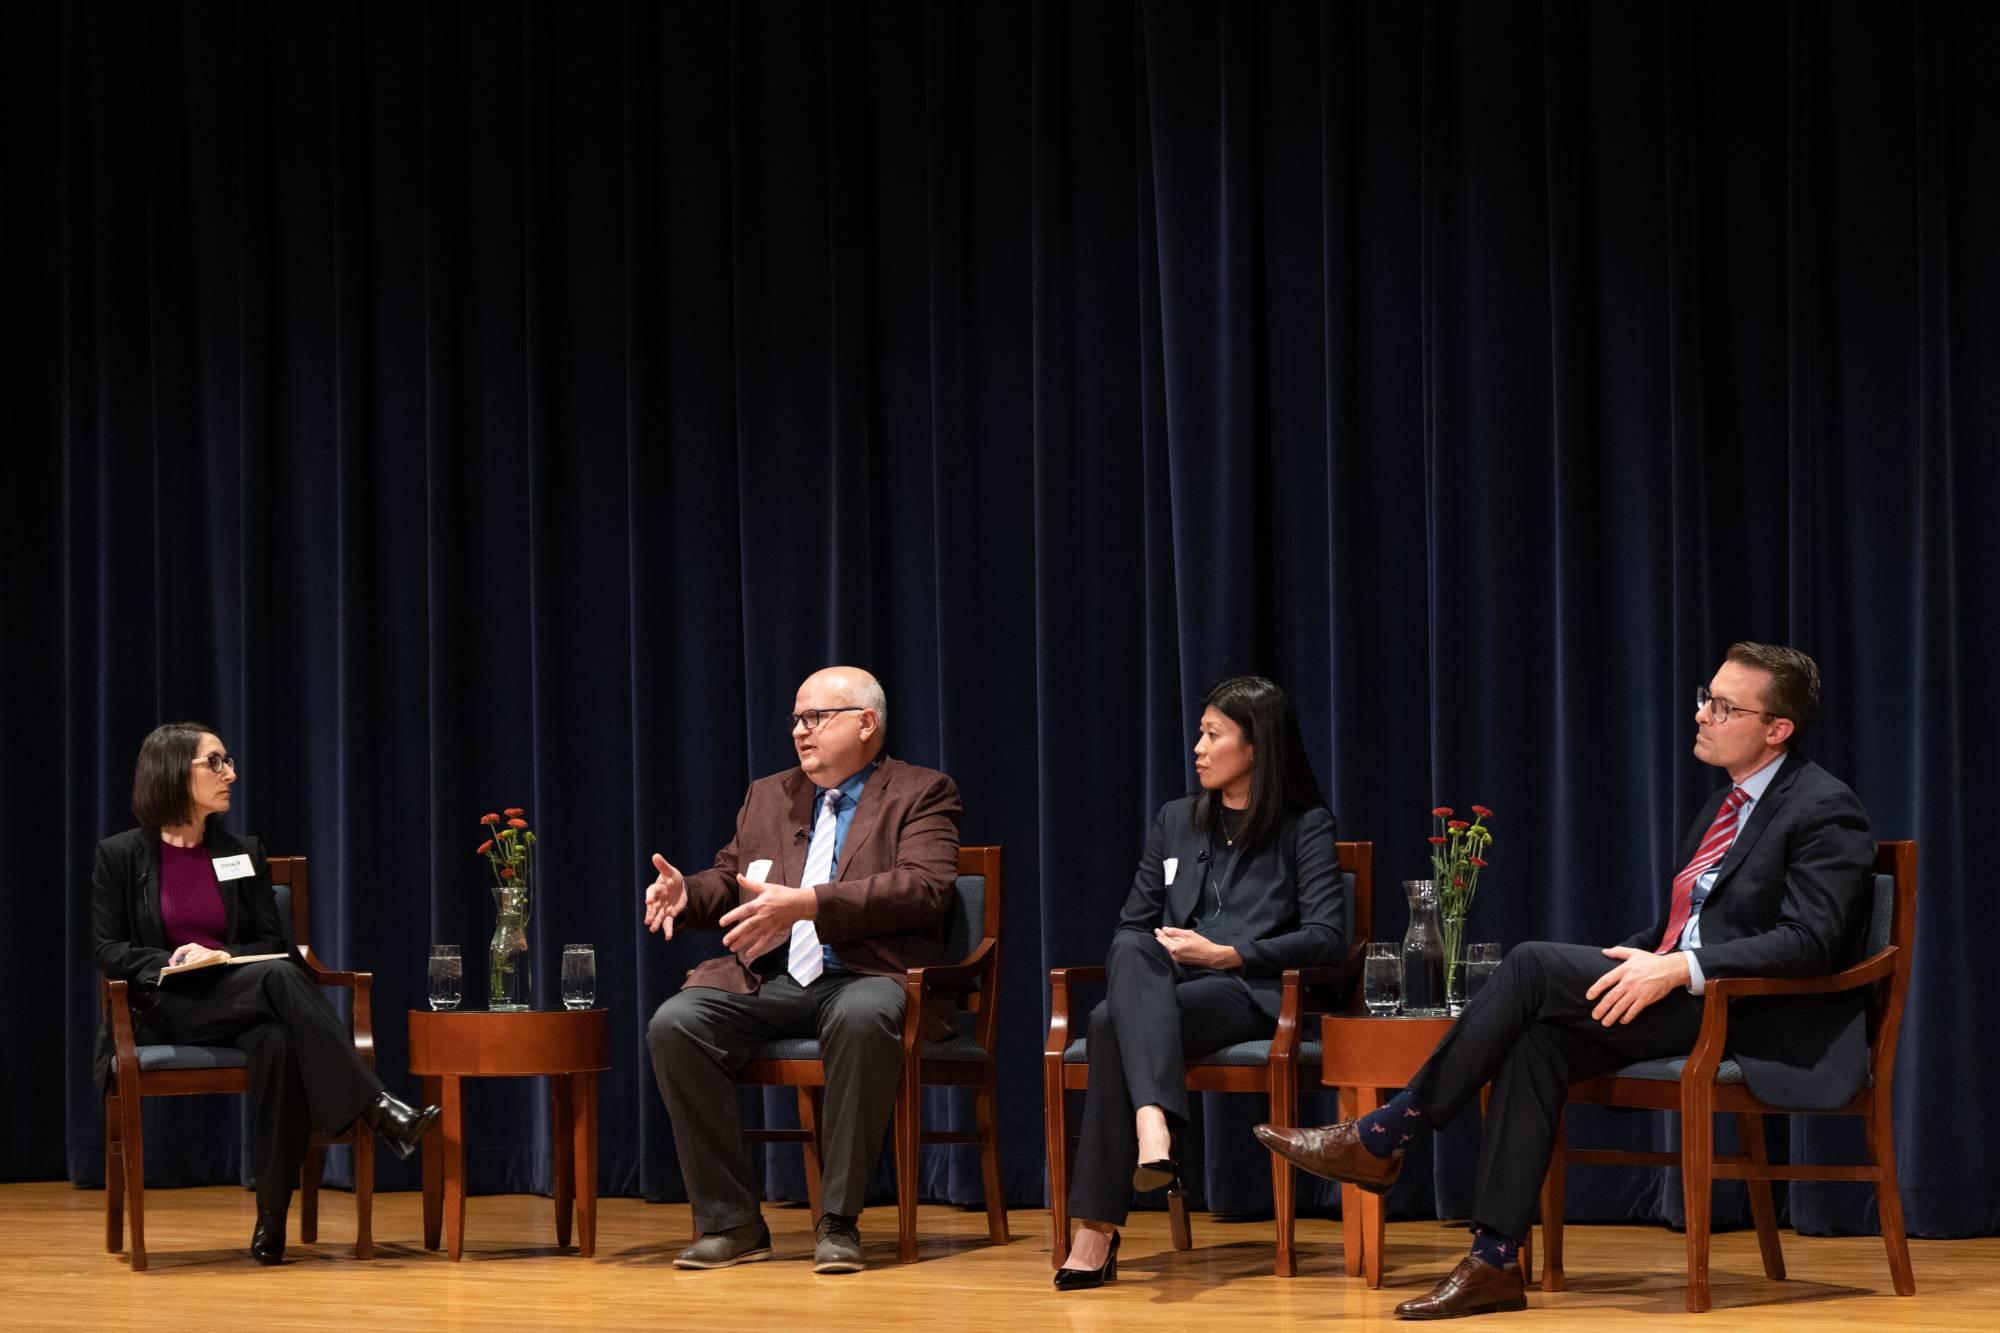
(884, 910)
(1286, 901)
(127, 933)
(1791, 899)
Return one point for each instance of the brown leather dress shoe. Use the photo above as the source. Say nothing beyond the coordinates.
(1474, 1287)
(1335, 1152)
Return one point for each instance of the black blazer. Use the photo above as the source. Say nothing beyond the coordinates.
(1791, 899)
(126, 930)
(1287, 900)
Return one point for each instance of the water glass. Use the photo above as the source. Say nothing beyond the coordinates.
(1382, 979)
(579, 976)
(1481, 962)
(447, 976)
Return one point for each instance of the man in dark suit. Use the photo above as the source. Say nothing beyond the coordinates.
(1773, 881)
(837, 881)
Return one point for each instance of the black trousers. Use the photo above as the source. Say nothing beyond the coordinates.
(701, 1037)
(1530, 1033)
(1156, 1016)
(304, 1073)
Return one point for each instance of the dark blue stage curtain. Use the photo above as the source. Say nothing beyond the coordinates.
(468, 404)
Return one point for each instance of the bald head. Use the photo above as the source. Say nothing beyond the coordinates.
(844, 741)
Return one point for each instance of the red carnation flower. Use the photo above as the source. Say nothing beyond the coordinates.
(1479, 861)
(517, 823)
(1458, 824)
(1482, 812)
(1458, 884)
(506, 872)
(1438, 842)
(489, 819)
(515, 811)
(484, 847)
(1443, 812)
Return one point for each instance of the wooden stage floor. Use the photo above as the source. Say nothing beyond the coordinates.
(54, 1273)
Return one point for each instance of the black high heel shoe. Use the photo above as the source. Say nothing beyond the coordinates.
(267, 1241)
(1164, 1173)
(1083, 1279)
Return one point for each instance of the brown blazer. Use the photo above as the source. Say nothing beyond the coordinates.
(884, 910)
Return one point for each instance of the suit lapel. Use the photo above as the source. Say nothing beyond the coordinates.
(868, 817)
(149, 885)
(791, 857)
(1761, 816)
(1190, 876)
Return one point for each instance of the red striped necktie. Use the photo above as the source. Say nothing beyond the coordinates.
(1714, 846)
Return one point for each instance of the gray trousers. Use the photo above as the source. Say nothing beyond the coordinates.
(701, 1037)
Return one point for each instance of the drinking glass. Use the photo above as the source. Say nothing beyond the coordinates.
(447, 976)
(579, 976)
(1382, 979)
(1481, 961)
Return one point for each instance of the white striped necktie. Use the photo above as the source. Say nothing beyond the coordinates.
(805, 961)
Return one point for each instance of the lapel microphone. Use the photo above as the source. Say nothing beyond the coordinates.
(1203, 856)
(798, 835)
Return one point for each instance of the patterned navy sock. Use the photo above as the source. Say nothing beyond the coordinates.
(1493, 1248)
(1390, 1130)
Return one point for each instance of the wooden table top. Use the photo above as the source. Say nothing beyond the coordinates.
(485, 1044)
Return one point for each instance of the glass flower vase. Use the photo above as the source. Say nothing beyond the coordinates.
(510, 982)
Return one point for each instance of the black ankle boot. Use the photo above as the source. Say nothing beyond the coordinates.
(267, 1242)
(403, 1126)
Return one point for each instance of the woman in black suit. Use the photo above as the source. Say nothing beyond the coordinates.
(1239, 882)
(178, 889)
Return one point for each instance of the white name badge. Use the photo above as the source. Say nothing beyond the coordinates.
(758, 869)
(1169, 866)
(233, 867)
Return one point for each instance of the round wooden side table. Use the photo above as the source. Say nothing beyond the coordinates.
(569, 1047)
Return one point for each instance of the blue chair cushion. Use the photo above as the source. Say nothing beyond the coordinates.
(160, 1059)
(1669, 1070)
(1251, 1054)
(960, 1048)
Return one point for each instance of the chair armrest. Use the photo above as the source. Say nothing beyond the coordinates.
(118, 1000)
(953, 976)
(1706, 1057)
(1879, 968)
(1060, 980)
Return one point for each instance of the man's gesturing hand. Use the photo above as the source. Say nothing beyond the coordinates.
(1639, 979)
(666, 897)
(763, 920)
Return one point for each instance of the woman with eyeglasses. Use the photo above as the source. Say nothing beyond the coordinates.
(1239, 882)
(178, 890)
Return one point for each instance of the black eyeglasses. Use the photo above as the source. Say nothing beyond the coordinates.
(1721, 709)
(217, 762)
(812, 717)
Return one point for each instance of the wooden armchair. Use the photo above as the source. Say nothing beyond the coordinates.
(179, 1071)
(1270, 1068)
(1706, 1084)
(968, 1060)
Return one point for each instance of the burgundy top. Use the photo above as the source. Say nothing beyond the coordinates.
(191, 907)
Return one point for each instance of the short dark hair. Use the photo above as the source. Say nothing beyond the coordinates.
(1281, 775)
(161, 795)
(1794, 691)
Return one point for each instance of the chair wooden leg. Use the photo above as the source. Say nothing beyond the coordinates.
(1554, 1187)
(114, 1181)
(1177, 1220)
(909, 1137)
(132, 1148)
(1750, 1134)
(309, 1173)
(1284, 1184)
(1697, 1187)
(1889, 1195)
(985, 1120)
(1055, 1139)
(809, 1105)
(364, 1193)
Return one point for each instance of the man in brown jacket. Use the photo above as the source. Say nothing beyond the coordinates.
(836, 881)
